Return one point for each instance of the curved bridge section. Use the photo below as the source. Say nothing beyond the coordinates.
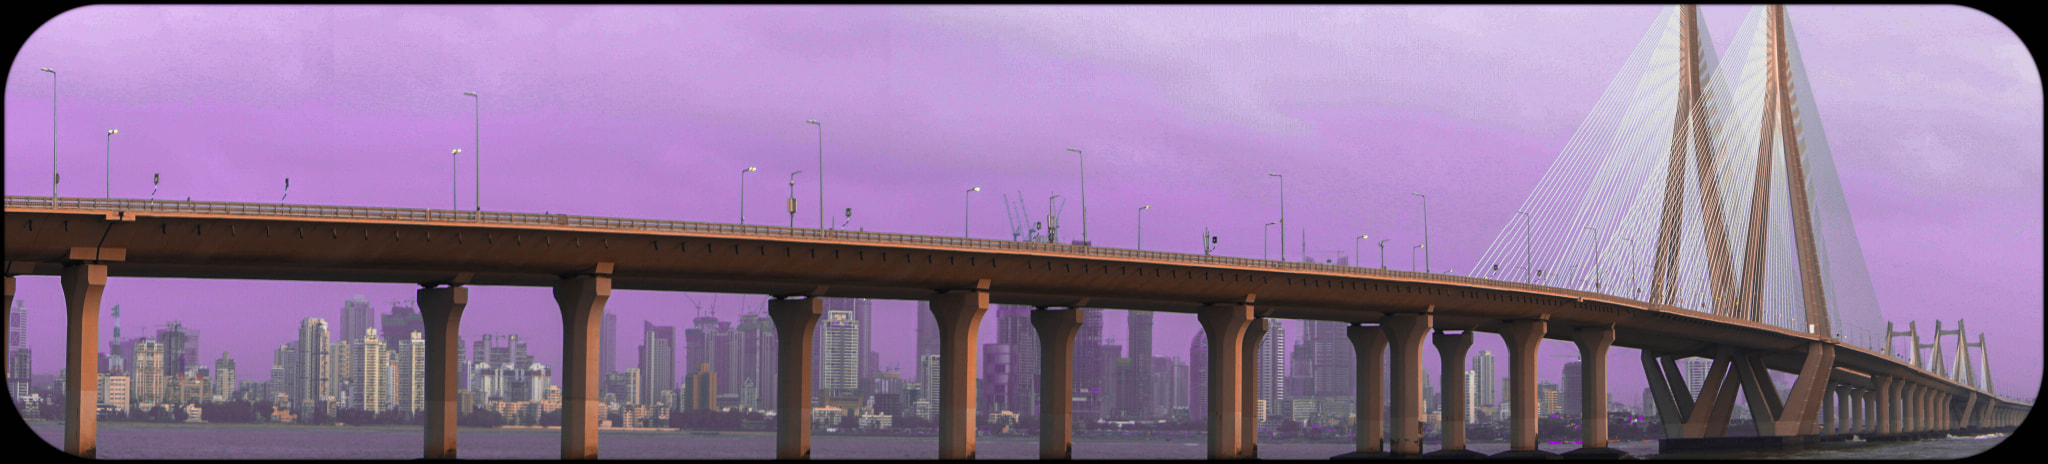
(583, 258)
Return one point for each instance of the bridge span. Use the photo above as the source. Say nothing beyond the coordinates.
(1841, 388)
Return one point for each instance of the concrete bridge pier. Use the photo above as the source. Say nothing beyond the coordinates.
(1370, 345)
(795, 321)
(1828, 419)
(441, 311)
(1450, 351)
(582, 297)
(1056, 331)
(1248, 441)
(1881, 404)
(1593, 343)
(1404, 334)
(84, 278)
(1523, 337)
(959, 314)
(1225, 325)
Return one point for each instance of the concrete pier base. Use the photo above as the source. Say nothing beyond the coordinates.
(797, 319)
(441, 312)
(581, 298)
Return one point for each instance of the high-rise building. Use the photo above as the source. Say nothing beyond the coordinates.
(181, 347)
(410, 380)
(342, 371)
(114, 391)
(369, 360)
(1482, 366)
(608, 344)
(756, 370)
(397, 327)
(710, 341)
(1137, 398)
(657, 361)
(312, 376)
(928, 378)
(1546, 399)
(356, 318)
(624, 386)
(997, 366)
(1091, 376)
(840, 360)
(1569, 398)
(1198, 376)
(860, 313)
(224, 376)
(928, 330)
(18, 354)
(1334, 363)
(1014, 329)
(1695, 374)
(1272, 364)
(284, 366)
(703, 387)
(1472, 384)
(1649, 405)
(148, 383)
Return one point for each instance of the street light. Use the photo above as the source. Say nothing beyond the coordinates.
(1383, 253)
(1084, 194)
(478, 106)
(110, 162)
(1141, 227)
(965, 211)
(1283, 215)
(821, 180)
(53, 133)
(287, 190)
(454, 192)
(792, 202)
(1526, 267)
(1425, 229)
(1354, 250)
(154, 180)
(1265, 240)
(1411, 257)
(743, 194)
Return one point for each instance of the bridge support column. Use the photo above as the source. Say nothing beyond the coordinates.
(1225, 326)
(1593, 344)
(795, 321)
(959, 314)
(1056, 331)
(1858, 416)
(1370, 345)
(441, 312)
(1450, 353)
(581, 298)
(1522, 338)
(1248, 441)
(1827, 410)
(1882, 404)
(1404, 333)
(1808, 390)
(1666, 389)
(84, 282)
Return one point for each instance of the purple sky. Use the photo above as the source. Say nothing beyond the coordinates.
(1934, 113)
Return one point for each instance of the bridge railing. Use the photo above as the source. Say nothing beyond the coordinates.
(604, 223)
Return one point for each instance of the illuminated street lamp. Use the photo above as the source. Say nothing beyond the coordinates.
(453, 191)
(743, 194)
(1141, 226)
(1411, 257)
(1354, 250)
(110, 162)
(965, 211)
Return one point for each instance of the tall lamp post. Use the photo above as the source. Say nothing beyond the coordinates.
(1411, 256)
(1283, 214)
(454, 160)
(1266, 240)
(965, 211)
(287, 190)
(792, 201)
(1141, 227)
(1354, 250)
(821, 179)
(110, 162)
(1084, 193)
(53, 132)
(1425, 229)
(743, 194)
(478, 106)
(1528, 269)
(154, 181)
(1383, 253)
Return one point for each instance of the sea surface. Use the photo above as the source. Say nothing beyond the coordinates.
(272, 441)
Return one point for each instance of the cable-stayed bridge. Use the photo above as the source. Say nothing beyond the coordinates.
(1696, 213)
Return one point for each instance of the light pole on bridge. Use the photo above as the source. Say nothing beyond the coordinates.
(53, 132)
(1383, 253)
(1266, 240)
(154, 181)
(1354, 250)
(743, 194)
(1411, 256)
(110, 162)
(965, 211)
(1083, 157)
(792, 200)
(1425, 230)
(1141, 226)
(1283, 214)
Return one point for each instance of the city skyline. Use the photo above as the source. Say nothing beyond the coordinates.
(880, 150)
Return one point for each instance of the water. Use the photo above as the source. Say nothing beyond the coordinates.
(271, 441)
